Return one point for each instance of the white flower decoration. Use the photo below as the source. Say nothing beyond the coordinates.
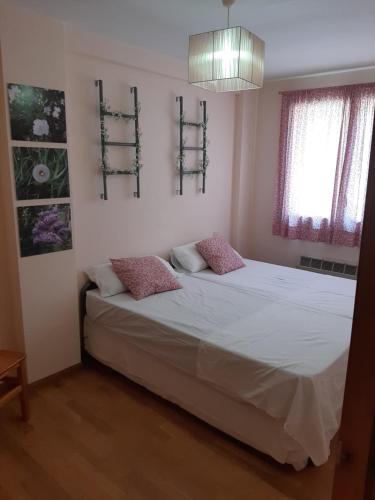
(41, 173)
(56, 112)
(40, 127)
(13, 91)
(47, 110)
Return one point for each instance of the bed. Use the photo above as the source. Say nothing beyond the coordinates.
(260, 353)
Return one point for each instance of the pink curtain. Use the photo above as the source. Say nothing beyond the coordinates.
(325, 142)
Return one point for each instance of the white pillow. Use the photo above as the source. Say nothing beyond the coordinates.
(106, 280)
(188, 258)
(168, 266)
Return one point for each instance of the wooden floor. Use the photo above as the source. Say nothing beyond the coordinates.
(93, 435)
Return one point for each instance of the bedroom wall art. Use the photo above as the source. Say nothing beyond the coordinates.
(44, 229)
(36, 114)
(40, 173)
(203, 163)
(105, 111)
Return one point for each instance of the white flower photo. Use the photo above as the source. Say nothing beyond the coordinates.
(41, 173)
(56, 112)
(40, 127)
(36, 114)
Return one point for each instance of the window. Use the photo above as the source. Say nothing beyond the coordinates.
(325, 143)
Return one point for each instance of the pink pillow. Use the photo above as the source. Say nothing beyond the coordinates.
(144, 276)
(219, 255)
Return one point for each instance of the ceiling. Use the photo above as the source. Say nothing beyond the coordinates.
(302, 36)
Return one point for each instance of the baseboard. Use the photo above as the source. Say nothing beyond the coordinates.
(56, 376)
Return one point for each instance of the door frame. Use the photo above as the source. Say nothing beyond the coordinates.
(355, 470)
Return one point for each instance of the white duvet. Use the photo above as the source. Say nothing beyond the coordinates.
(271, 336)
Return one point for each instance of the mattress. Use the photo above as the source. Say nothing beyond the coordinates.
(241, 420)
(318, 292)
(276, 338)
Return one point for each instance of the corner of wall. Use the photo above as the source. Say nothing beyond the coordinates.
(11, 328)
(244, 169)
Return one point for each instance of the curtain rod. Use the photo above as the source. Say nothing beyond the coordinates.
(335, 87)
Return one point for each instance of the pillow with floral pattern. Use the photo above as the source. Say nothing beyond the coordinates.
(144, 276)
(219, 255)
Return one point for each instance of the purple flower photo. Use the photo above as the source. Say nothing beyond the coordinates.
(44, 229)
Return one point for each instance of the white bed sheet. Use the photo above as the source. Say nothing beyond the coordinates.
(241, 420)
(262, 335)
(316, 291)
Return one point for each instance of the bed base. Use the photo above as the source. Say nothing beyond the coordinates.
(240, 420)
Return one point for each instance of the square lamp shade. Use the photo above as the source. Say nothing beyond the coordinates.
(226, 60)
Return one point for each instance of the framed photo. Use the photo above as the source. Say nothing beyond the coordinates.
(44, 229)
(36, 114)
(40, 173)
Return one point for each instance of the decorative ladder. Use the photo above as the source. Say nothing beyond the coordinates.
(105, 142)
(182, 148)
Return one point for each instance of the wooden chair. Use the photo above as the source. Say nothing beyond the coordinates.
(14, 386)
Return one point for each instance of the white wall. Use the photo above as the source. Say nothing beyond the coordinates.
(263, 245)
(33, 53)
(159, 219)
(43, 52)
(244, 168)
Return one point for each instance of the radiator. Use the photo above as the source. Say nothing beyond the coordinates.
(322, 266)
